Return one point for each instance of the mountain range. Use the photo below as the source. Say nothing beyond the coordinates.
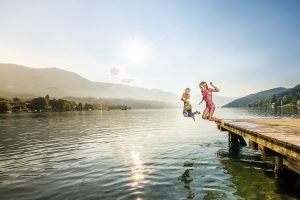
(16, 79)
(26, 82)
(252, 98)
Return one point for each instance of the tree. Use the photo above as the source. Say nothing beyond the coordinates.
(38, 104)
(298, 96)
(274, 98)
(5, 106)
(56, 105)
(66, 105)
(88, 106)
(47, 98)
(79, 107)
(16, 100)
(287, 99)
(62, 105)
(261, 103)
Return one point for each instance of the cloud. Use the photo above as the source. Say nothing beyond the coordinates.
(114, 71)
(126, 80)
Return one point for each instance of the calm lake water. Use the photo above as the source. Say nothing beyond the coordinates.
(133, 154)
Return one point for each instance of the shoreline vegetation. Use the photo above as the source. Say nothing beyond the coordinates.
(46, 104)
(284, 99)
(273, 98)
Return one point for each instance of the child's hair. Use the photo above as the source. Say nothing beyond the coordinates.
(203, 83)
(187, 88)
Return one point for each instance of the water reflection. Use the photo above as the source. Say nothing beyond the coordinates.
(287, 111)
(247, 169)
(137, 168)
(77, 155)
(187, 179)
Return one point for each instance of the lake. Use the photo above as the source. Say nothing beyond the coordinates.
(133, 154)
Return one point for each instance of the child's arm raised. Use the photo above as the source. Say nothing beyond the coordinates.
(214, 89)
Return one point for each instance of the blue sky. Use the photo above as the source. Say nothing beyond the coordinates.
(242, 46)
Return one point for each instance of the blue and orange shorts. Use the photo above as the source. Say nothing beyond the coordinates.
(188, 112)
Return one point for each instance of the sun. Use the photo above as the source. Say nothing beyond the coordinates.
(136, 51)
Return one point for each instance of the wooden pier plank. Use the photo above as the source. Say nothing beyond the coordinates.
(279, 135)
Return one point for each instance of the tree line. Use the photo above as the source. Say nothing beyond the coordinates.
(41, 104)
(288, 98)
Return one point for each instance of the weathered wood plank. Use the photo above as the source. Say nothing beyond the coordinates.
(292, 164)
(279, 135)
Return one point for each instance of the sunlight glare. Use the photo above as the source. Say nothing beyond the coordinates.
(137, 168)
(136, 51)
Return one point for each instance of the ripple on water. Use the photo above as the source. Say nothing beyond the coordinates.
(138, 154)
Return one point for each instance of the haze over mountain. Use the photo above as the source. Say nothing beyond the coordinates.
(16, 80)
(245, 101)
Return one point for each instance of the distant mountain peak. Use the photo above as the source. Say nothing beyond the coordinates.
(59, 83)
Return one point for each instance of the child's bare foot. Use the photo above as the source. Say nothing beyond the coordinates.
(222, 122)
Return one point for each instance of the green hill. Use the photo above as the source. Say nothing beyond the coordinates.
(288, 97)
(249, 99)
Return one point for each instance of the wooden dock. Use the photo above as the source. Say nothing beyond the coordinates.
(272, 137)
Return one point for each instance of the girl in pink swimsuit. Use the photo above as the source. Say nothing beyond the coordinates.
(210, 106)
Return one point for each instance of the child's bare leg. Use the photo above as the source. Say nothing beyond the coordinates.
(193, 117)
(195, 113)
(205, 113)
(211, 118)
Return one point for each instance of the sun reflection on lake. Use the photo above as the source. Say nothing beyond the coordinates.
(137, 168)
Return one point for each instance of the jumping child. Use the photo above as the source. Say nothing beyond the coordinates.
(187, 107)
(210, 106)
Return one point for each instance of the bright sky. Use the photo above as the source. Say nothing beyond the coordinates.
(242, 46)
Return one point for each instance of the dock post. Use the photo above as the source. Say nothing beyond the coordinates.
(279, 167)
(253, 145)
(233, 142)
(266, 151)
(241, 140)
(262, 150)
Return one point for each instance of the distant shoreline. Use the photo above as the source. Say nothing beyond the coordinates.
(45, 104)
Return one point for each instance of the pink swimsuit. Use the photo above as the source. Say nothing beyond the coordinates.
(206, 94)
